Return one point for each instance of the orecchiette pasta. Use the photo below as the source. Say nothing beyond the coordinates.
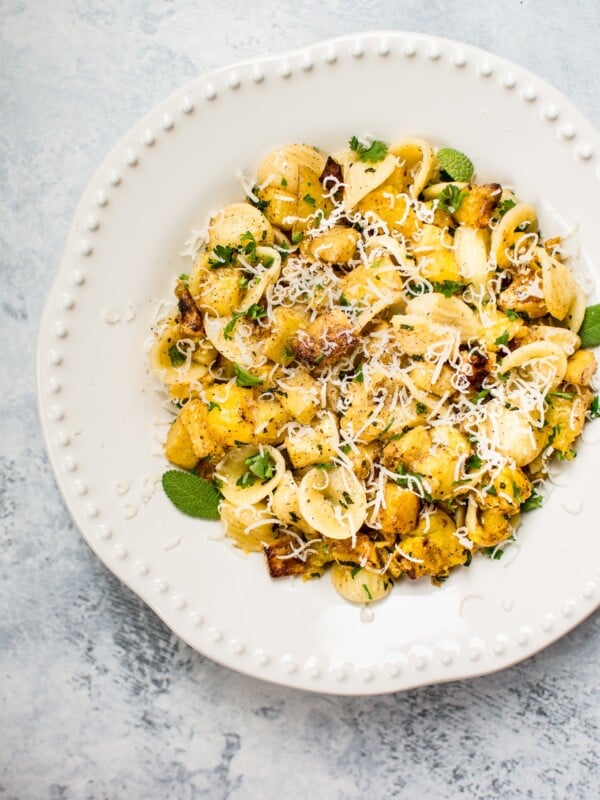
(374, 359)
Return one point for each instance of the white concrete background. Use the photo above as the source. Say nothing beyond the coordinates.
(97, 698)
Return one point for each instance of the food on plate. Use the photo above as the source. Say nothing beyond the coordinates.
(372, 361)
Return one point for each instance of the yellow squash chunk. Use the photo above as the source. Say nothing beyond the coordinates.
(301, 396)
(565, 420)
(510, 487)
(436, 262)
(366, 284)
(282, 205)
(478, 205)
(494, 527)
(232, 414)
(194, 417)
(313, 445)
(392, 207)
(431, 454)
(269, 417)
(335, 246)
(178, 447)
(286, 323)
(311, 200)
(401, 512)
(217, 291)
(581, 368)
(433, 549)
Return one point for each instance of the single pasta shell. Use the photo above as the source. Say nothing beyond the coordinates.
(558, 285)
(472, 254)
(576, 313)
(528, 354)
(333, 502)
(359, 585)
(281, 165)
(266, 277)
(506, 234)
(231, 468)
(361, 177)
(419, 158)
(161, 364)
(449, 311)
(229, 224)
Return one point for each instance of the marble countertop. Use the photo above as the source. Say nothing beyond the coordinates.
(98, 699)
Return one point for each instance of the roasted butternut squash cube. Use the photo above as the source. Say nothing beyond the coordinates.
(178, 447)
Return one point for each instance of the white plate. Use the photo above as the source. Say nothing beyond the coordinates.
(98, 410)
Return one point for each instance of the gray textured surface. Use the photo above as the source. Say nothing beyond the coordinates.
(98, 700)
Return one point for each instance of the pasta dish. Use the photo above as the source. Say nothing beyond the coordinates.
(374, 359)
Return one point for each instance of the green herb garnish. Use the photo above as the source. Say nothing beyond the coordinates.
(372, 153)
(480, 396)
(589, 332)
(456, 165)
(223, 256)
(505, 206)
(176, 357)
(245, 379)
(448, 288)
(534, 501)
(451, 198)
(261, 465)
(192, 495)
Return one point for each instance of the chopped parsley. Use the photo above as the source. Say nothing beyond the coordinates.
(346, 500)
(511, 314)
(480, 396)
(245, 480)
(447, 288)
(451, 198)
(212, 405)
(595, 408)
(297, 237)
(308, 198)
(473, 463)
(564, 395)
(372, 153)
(245, 379)
(359, 375)
(260, 204)
(493, 552)
(505, 206)
(249, 248)
(254, 312)
(406, 478)
(503, 339)
(534, 501)
(223, 256)
(176, 356)
(261, 465)
(184, 277)
(421, 408)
